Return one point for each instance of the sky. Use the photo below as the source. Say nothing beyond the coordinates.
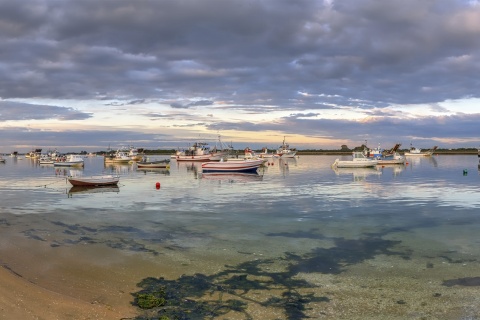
(92, 74)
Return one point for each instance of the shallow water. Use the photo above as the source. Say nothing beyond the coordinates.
(396, 241)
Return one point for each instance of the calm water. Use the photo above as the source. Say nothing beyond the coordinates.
(297, 240)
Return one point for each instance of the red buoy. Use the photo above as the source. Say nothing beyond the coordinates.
(157, 185)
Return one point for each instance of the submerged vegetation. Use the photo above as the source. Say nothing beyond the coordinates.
(234, 289)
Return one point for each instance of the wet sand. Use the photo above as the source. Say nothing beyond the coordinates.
(21, 299)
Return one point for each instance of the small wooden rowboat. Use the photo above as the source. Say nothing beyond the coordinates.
(94, 181)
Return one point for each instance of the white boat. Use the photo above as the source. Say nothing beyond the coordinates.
(135, 154)
(72, 160)
(199, 151)
(45, 159)
(119, 156)
(94, 181)
(246, 165)
(2, 160)
(418, 152)
(266, 154)
(359, 160)
(284, 150)
(393, 159)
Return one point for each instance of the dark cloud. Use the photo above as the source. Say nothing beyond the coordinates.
(252, 57)
(24, 111)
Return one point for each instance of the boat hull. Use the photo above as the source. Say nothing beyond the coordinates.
(94, 181)
(205, 157)
(232, 166)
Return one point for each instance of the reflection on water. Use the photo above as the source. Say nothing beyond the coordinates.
(93, 189)
(295, 240)
(231, 177)
(358, 174)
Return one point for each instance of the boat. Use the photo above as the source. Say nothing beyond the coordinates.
(94, 181)
(284, 150)
(2, 160)
(120, 156)
(71, 160)
(154, 164)
(14, 154)
(35, 153)
(393, 159)
(220, 151)
(359, 160)
(45, 159)
(378, 153)
(199, 151)
(265, 154)
(374, 153)
(135, 154)
(246, 165)
(419, 152)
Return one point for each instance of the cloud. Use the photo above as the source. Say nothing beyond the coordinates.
(244, 58)
(23, 111)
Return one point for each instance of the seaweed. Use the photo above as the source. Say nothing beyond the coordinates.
(201, 296)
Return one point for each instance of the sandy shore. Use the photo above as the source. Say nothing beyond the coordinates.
(21, 299)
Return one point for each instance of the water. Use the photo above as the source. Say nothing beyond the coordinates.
(297, 240)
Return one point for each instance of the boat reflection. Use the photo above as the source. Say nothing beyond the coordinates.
(231, 176)
(163, 171)
(86, 190)
(395, 168)
(359, 174)
(118, 168)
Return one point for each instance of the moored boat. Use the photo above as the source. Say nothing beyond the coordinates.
(94, 181)
(119, 156)
(199, 151)
(154, 164)
(284, 151)
(419, 152)
(246, 165)
(359, 160)
(393, 159)
(71, 160)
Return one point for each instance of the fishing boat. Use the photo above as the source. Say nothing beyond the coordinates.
(419, 152)
(359, 160)
(246, 165)
(265, 154)
(284, 150)
(45, 159)
(393, 159)
(120, 156)
(94, 181)
(199, 151)
(135, 154)
(154, 164)
(71, 160)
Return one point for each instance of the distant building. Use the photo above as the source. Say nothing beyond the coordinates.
(344, 148)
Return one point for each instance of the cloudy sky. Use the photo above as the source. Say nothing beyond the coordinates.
(85, 75)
